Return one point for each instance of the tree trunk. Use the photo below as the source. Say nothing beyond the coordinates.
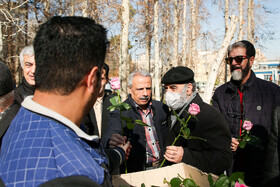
(240, 33)
(226, 29)
(193, 32)
(85, 7)
(72, 5)
(184, 34)
(176, 34)
(157, 69)
(148, 36)
(123, 63)
(219, 59)
(250, 22)
(226, 15)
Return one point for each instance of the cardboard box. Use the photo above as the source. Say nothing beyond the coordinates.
(155, 177)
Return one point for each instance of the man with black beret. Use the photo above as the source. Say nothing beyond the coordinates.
(212, 155)
(8, 108)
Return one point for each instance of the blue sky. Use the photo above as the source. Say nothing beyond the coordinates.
(271, 48)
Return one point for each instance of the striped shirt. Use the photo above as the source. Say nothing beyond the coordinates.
(152, 141)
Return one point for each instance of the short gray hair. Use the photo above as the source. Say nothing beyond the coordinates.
(28, 50)
(143, 73)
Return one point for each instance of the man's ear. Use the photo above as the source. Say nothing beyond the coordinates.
(93, 81)
(189, 89)
(251, 60)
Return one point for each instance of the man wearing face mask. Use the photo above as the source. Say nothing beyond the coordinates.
(212, 155)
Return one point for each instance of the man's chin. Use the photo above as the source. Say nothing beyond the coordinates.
(236, 75)
(31, 81)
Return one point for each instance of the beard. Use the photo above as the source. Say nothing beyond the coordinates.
(240, 75)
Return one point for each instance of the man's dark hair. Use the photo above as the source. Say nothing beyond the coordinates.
(106, 68)
(66, 49)
(250, 49)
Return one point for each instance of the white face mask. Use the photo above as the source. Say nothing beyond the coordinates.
(174, 100)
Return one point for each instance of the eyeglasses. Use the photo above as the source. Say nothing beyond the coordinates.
(238, 59)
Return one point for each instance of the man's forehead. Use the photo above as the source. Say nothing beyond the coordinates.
(239, 50)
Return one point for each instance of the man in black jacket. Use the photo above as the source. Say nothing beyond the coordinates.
(27, 62)
(8, 108)
(246, 97)
(209, 155)
(147, 142)
(95, 122)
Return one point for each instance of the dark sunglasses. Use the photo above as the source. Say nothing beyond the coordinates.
(238, 59)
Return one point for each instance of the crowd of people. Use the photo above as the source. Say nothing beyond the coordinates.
(56, 128)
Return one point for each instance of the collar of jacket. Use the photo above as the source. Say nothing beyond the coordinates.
(27, 87)
(131, 102)
(232, 86)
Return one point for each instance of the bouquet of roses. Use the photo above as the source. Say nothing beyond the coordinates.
(185, 132)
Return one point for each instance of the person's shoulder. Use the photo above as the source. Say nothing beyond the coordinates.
(222, 87)
(158, 105)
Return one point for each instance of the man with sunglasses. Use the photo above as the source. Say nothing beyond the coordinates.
(246, 97)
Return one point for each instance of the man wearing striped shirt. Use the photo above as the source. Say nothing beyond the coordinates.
(147, 142)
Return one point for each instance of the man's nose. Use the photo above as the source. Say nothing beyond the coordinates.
(33, 68)
(145, 93)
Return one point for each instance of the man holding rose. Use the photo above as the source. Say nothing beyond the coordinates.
(209, 150)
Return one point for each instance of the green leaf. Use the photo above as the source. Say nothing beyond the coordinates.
(242, 144)
(126, 106)
(130, 125)
(186, 133)
(139, 122)
(197, 138)
(236, 175)
(179, 119)
(128, 120)
(111, 108)
(210, 179)
(189, 183)
(241, 181)
(175, 182)
(143, 185)
(223, 181)
(115, 100)
(255, 141)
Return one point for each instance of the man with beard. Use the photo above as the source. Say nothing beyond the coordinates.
(246, 97)
(147, 142)
(212, 154)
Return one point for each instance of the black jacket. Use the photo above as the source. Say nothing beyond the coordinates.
(23, 90)
(137, 137)
(89, 121)
(272, 159)
(260, 97)
(6, 118)
(213, 155)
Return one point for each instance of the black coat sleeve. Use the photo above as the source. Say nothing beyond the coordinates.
(114, 127)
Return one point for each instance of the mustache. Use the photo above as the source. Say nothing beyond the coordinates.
(144, 98)
(235, 67)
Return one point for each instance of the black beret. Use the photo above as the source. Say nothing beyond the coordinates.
(6, 80)
(178, 75)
